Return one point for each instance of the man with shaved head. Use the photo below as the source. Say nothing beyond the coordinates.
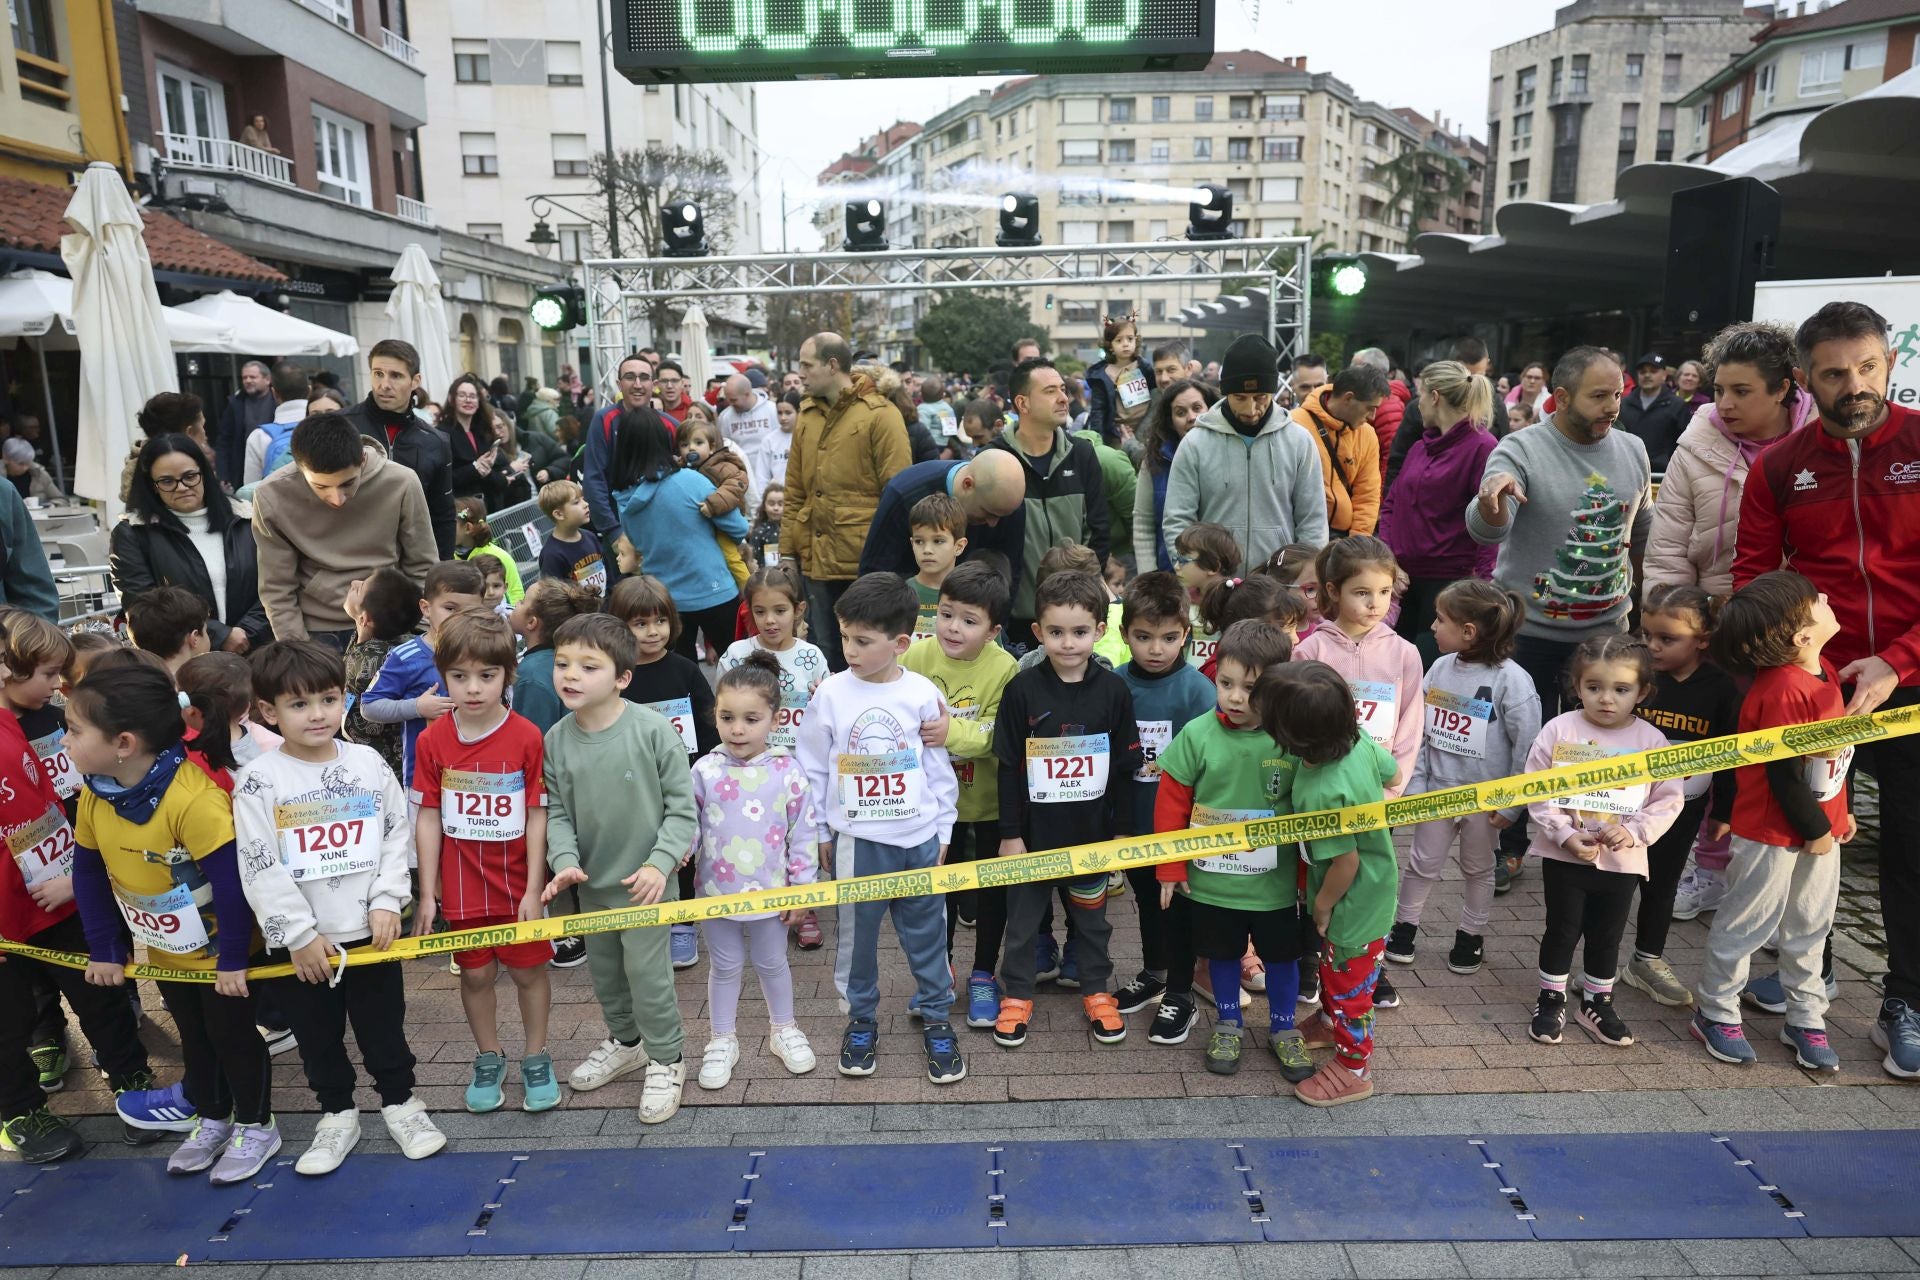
(991, 489)
(748, 420)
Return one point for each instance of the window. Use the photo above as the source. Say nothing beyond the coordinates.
(1700, 121)
(1763, 85)
(576, 242)
(1566, 172)
(1556, 78)
(340, 157)
(1163, 108)
(564, 65)
(1240, 188)
(999, 131)
(1080, 151)
(1280, 190)
(194, 111)
(1120, 232)
(1156, 310)
(1871, 51)
(1517, 174)
(33, 28)
(1013, 125)
(1239, 148)
(1523, 87)
(1636, 67)
(1284, 150)
(1120, 151)
(1730, 100)
(1120, 110)
(570, 156)
(1566, 126)
(1670, 74)
(1273, 228)
(1577, 74)
(479, 155)
(1157, 229)
(1240, 107)
(1160, 150)
(1203, 108)
(1629, 126)
(1283, 106)
(1203, 148)
(487, 231)
(471, 62)
(1663, 140)
(1079, 233)
(1079, 111)
(1522, 133)
(1080, 312)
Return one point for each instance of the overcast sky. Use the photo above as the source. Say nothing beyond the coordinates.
(1403, 53)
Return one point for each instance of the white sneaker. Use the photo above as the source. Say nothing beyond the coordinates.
(1703, 893)
(789, 1044)
(717, 1063)
(412, 1129)
(337, 1134)
(606, 1064)
(660, 1096)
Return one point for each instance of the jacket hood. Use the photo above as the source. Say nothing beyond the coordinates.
(1062, 443)
(1803, 411)
(242, 512)
(1315, 407)
(1215, 419)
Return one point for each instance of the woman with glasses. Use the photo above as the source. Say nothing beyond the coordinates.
(181, 530)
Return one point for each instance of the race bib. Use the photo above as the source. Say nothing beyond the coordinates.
(771, 554)
(43, 849)
(331, 836)
(1458, 725)
(1155, 736)
(1609, 800)
(483, 806)
(1134, 391)
(1827, 775)
(52, 753)
(166, 922)
(786, 720)
(1200, 649)
(881, 788)
(1373, 703)
(923, 627)
(1250, 863)
(963, 769)
(679, 712)
(1062, 770)
(592, 574)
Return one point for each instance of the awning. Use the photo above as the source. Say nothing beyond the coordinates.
(258, 330)
(32, 221)
(39, 304)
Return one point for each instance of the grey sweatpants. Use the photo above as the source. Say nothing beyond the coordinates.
(1769, 889)
(632, 974)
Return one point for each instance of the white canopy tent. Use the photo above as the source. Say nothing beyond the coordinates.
(256, 329)
(39, 304)
(419, 316)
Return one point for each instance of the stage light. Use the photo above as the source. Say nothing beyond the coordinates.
(1348, 279)
(559, 307)
(683, 231)
(866, 227)
(1209, 217)
(1019, 220)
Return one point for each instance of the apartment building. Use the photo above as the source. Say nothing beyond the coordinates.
(1805, 61)
(1451, 170)
(59, 92)
(1570, 108)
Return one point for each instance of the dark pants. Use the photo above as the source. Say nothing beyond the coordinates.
(976, 842)
(227, 1068)
(104, 1013)
(373, 997)
(1176, 933)
(334, 640)
(1418, 608)
(823, 625)
(1584, 902)
(1087, 898)
(1545, 661)
(1666, 859)
(1895, 762)
(1153, 926)
(717, 624)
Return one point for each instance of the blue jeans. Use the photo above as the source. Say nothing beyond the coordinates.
(920, 923)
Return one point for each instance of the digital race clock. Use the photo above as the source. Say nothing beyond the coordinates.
(663, 41)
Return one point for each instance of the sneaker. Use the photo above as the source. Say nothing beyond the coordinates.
(1108, 1026)
(1897, 1030)
(40, 1137)
(569, 953)
(1469, 952)
(1010, 1028)
(412, 1129)
(717, 1062)
(279, 1040)
(1766, 994)
(1174, 1020)
(808, 933)
(1704, 892)
(337, 1134)
(202, 1147)
(1505, 872)
(1334, 1085)
(963, 917)
(1385, 996)
(857, 1047)
(1140, 993)
(1116, 884)
(134, 1083)
(1253, 974)
(248, 1151)
(1203, 981)
(157, 1110)
(606, 1064)
(1046, 958)
(1601, 1020)
(983, 999)
(1317, 1033)
(1810, 1048)
(1400, 943)
(539, 1090)
(1290, 1047)
(1726, 1041)
(660, 1094)
(1310, 988)
(50, 1063)
(453, 967)
(1549, 1017)
(1657, 978)
(1223, 1048)
(483, 1091)
(789, 1044)
(1069, 975)
(686, 946)
(944, 1063)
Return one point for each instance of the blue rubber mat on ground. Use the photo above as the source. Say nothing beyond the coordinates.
(1402, 1188)
(1124, 1192)
(102, 1212)
(1636, 1187)
(375, 1207)
(895, 1197)
(667, 1200)
(1847, 1184)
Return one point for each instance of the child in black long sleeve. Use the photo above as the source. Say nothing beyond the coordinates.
(1068, 748)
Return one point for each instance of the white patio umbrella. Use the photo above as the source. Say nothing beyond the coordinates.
(262, 330)
(124, 355)
(40, 304)
(693, 350)
(419, 316)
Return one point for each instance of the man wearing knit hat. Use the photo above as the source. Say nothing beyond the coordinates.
(1245, 466)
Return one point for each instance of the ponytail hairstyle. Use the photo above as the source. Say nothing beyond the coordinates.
(551, 601)
(1232, 600)
(1611, 646)
(1683, 598)
(131, 696)
(782, 577)
(758, 673)
(219, 686)
(1460, 388)
(1495, 616)
(472, 512)
(1286, 563)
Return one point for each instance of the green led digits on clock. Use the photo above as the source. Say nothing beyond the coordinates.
(906, 20)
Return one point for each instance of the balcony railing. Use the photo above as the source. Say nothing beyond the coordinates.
(414, 210)
(219, 155)
(340, 15)
(397, 47)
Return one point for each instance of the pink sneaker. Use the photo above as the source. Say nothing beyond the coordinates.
(808, 932)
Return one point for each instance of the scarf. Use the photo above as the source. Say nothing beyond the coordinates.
(138, 802)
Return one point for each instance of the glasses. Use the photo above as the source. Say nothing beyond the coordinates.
(1184, 561)
(185, 480)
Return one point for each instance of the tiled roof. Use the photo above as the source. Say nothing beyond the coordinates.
(32, 217)
(1848, 13)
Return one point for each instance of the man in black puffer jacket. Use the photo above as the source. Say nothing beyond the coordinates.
(386, 417)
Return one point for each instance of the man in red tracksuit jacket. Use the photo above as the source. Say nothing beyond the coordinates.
(1839, 502)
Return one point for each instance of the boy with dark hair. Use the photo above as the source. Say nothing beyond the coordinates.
(938, 526)
(170, 623)
(890, 801)
(406, 692)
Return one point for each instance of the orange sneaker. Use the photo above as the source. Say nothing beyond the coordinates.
(1010, 1028)
(1103, 1011)
(1317, 1032)
(1253, 973)
(1333, 1085)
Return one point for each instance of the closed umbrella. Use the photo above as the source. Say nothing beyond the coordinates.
(693, 350)
(125, 358)
(419, 316)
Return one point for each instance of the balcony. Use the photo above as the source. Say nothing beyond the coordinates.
(217, 155)
(414, 211)
(397, 47)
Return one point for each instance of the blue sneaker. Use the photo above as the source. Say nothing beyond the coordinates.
(483, 1093)
(1069, 975)
(1767, 995)
(983, 1000)
(1046, 958)
(536, 1078)
(1897, 1030)
(1810, 1048)
(686, 946)
(157, 1110)
(944, 1063)
(1724, 1040)
(857, 1047)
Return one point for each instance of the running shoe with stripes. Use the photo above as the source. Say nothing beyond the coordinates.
(159, 1110)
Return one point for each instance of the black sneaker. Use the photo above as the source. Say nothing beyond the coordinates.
(944, 1063)
(857, 1047)
(40, 1137)
(569, 953)
(1174, 1019)
(1602, 1022)
(1469, 952)
(1310, 988)
(1400, 943)
(1139, 993)
(1549, 1017)
(1384, 995)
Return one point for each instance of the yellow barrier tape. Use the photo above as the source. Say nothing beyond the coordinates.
(1708, 755)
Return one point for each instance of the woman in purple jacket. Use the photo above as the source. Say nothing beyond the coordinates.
(1423, 516)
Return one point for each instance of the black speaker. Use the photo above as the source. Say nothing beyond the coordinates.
(1719, 243)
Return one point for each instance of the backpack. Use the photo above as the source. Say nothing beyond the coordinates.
(279, 439)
